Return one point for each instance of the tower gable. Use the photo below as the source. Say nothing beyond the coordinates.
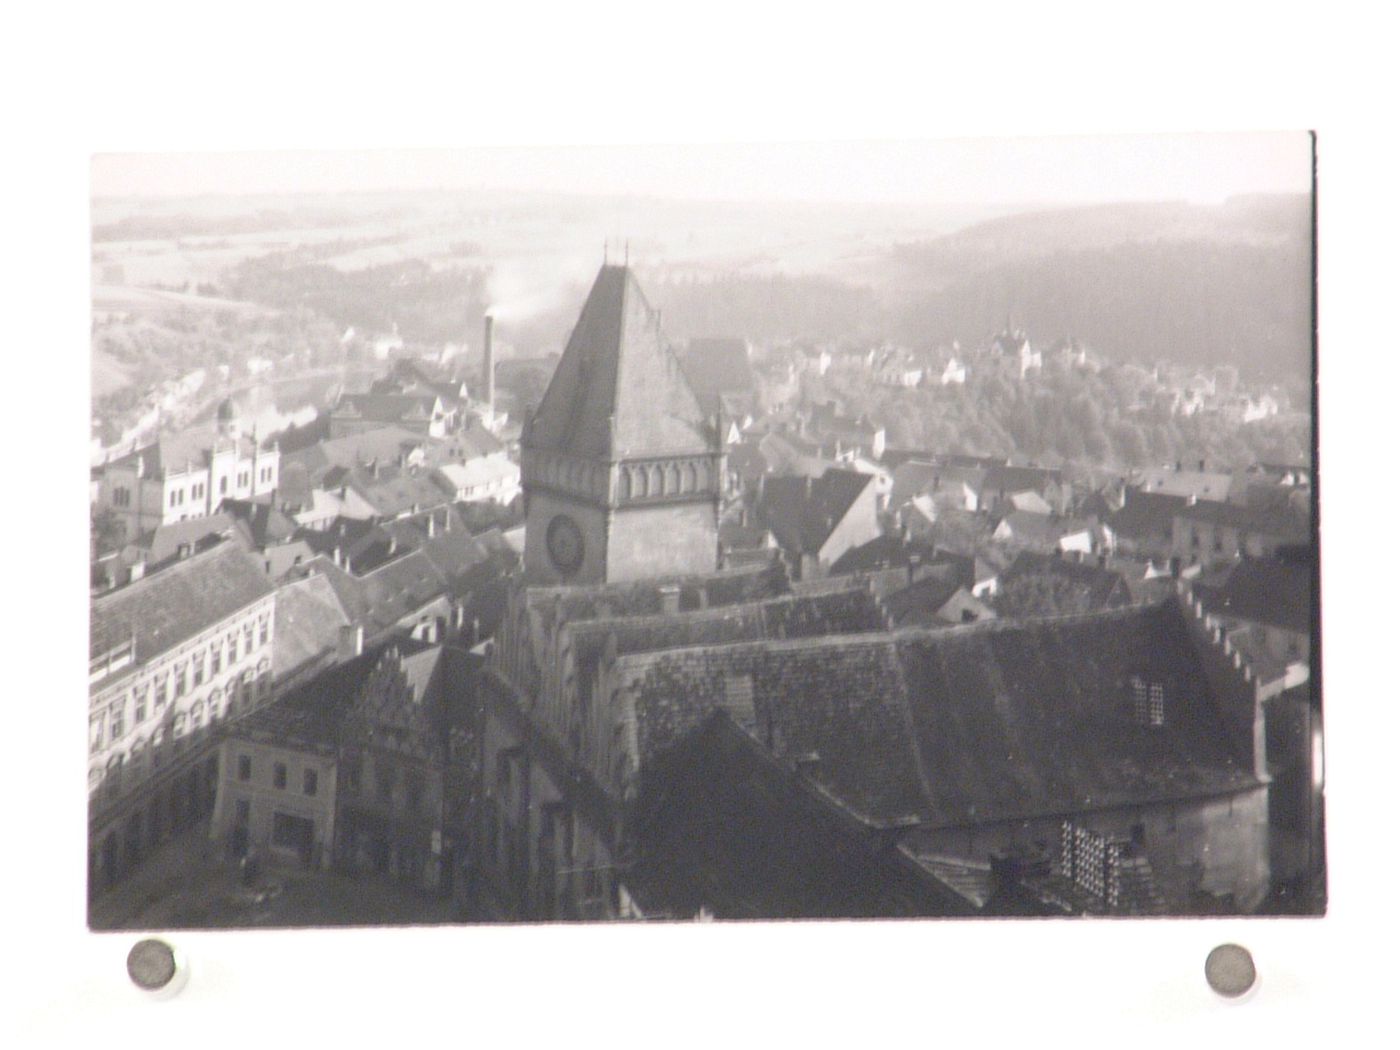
(619, 452)
(619, 391)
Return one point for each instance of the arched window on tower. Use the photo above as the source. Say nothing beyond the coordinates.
(673, 479)
(624, 484)
(688, 479)
(641, 487)
(654, 480)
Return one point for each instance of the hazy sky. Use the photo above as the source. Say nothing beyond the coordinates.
(1202, 168)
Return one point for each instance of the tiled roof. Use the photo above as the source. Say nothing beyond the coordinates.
(452, 552)
(1019, 719)
(1201, 484)
(802, 513)
(619, 390)
(314, 714)
(190, 447)
(404, 695)
(838, 699)
(919, 603)
(994, 721)
(266, 524)
(382, 445)
(310, 715)
(1275, 592)
(308, 622)
(883, 552)
(163, 542)
(851, 611)
(723, 826)
(912, 478)
(1101, 588)
(1146, 515)
(381, 598)
(1028, 527)
(1272, 521)
(178, 603)
(387, 408)
(644, 597)
(401, 493)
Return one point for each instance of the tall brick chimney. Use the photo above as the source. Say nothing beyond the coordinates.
(488, 365)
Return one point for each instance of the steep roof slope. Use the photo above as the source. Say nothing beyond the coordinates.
(163, 610)
(619, 390)
(726, 827)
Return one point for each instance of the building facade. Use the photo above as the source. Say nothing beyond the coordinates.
(185, 476)
(170, 657)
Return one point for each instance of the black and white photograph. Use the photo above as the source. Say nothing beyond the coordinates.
(854, 530)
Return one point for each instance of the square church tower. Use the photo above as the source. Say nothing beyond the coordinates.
(621, 468)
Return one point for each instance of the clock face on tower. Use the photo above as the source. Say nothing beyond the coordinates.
(565, 544)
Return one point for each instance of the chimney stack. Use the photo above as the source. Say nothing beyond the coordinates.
(488, 366)
(351, 642)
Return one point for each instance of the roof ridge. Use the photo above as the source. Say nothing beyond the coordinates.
(168, 572)
(710, 611)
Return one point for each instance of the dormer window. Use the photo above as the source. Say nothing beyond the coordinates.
(1149, 697)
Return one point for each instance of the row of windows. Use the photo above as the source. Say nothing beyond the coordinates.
(196, 491)
(1149, 702)
(110, 726)
(121, 496)
(309, 777)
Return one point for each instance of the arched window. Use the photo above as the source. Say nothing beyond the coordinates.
(197, 714)
(624, 484)
(179, 727)
(641, 486)
(688, 479)
(655, 482)
(673, 479)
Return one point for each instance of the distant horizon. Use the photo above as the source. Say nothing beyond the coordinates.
(1199, 169)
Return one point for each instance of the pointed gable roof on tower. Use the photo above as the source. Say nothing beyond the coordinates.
(619, 391)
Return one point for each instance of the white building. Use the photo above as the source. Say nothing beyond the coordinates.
(186, 475)
(486, 478)
(169, 656)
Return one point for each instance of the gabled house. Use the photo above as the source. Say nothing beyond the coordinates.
(1207, 531)
(815, 521)
(1142, 527)
(422, 413)
(1046, 533)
